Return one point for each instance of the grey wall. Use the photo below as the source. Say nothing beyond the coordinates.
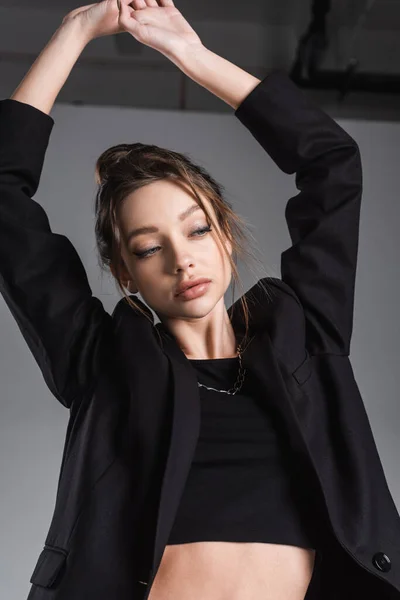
(265, 38)
(33, 424)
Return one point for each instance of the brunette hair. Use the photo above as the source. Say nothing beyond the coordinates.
(122, 169)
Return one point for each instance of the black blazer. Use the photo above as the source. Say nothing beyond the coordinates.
(133, 395)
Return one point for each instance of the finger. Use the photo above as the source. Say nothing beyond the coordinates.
(138, 4)
(125, 17)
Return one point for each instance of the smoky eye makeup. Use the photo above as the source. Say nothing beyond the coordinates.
(196, 232)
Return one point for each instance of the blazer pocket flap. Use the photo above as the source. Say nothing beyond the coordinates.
(48, 567)
(303, 372)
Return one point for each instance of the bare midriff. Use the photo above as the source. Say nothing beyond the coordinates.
(233, 571)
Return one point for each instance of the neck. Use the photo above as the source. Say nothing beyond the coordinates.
(234, 353)
(205, 339)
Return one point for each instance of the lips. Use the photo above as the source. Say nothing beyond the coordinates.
(188, 284)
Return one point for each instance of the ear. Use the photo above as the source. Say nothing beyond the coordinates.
(126, 280)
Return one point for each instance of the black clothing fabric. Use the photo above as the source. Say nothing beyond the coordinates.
(132, 395)
(240, 486)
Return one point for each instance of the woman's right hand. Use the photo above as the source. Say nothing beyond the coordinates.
(99, 19)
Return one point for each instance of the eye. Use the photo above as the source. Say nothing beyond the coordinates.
(147, 254)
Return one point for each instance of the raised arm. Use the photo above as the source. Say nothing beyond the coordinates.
(42, 279)
(48, 74)
(323, 219)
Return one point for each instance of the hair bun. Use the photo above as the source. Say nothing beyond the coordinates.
(101, 174)
(108, 162)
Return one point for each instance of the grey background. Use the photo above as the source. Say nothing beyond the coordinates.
(257, 36)
(125, 92)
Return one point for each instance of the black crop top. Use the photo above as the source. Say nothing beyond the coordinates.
(239, 487)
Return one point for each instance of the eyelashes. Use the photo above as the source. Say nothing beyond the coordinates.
(148, 253)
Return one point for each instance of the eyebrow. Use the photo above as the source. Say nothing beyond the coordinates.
(152, 229)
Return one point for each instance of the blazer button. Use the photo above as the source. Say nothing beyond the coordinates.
(382, 562)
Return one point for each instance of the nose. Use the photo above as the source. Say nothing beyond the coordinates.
(181, 257)
(184, 263)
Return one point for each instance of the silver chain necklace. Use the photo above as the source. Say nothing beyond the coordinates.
(240, 378)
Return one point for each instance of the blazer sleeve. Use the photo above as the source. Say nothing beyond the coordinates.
(42, 278)
(323, 218)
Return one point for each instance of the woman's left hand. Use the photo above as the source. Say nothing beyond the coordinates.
(159, 25)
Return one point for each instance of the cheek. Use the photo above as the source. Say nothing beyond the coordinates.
(222, 249)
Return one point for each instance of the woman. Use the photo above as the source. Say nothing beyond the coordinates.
(271, 493)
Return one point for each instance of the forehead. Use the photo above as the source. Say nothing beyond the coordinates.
(159, 201)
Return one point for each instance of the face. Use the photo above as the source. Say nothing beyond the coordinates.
(156, 262)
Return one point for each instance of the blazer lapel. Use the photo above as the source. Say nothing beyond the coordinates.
(280, 392)
(184, 436)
